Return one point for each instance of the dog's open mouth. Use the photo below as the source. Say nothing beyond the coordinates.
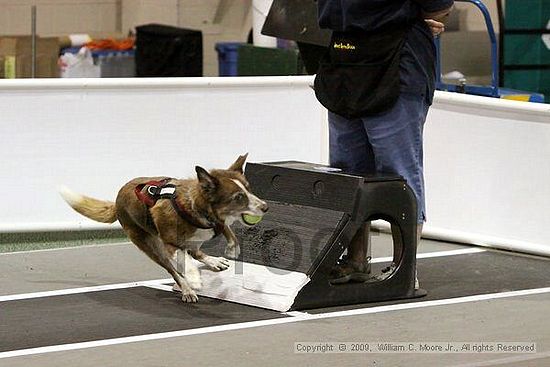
(250, 219)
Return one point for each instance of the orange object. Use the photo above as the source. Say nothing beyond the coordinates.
(111, 44)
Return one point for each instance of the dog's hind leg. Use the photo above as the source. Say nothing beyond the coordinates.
(186, 266)
(156, 250)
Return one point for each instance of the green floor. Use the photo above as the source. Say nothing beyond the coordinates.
(12, 242)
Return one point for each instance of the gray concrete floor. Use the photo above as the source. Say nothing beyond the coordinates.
(44, 270)
(496, 320)
(516, 319)
(37, 271)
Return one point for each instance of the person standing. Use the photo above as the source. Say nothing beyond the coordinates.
(377, 81)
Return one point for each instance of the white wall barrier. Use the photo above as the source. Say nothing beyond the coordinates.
(488, 172)
(487, 168)
(95, 135)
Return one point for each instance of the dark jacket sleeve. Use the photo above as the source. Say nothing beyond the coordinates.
(432, 6)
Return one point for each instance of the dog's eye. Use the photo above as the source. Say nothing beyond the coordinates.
(240, 197)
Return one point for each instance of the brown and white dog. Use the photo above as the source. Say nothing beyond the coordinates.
(196, 211)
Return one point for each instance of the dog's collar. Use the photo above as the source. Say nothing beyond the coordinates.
(156, 190)
(206, 222)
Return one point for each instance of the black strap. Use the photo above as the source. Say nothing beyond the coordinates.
(168, 191)
(184, 214)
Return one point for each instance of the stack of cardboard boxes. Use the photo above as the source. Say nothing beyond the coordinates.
(16, 57)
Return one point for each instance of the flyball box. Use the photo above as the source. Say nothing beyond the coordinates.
(314, 211)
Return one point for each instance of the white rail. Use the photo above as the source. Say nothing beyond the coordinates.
(487, 160)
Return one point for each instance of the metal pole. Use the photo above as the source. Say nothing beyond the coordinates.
(494, 47)
(178, 14)
(501, 32)
(33, 41)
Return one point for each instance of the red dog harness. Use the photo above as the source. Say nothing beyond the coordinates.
(150, 192)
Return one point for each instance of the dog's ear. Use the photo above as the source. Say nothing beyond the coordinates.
(208, 182)
(239, 164)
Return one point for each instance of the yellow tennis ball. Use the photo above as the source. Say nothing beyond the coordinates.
(251, 219)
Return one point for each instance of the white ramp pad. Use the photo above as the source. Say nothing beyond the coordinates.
(254, 285)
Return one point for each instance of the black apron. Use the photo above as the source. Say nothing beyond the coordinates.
(359, 75)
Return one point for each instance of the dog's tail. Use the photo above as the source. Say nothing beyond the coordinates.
(98, 210)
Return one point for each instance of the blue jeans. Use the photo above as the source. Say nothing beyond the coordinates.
(390, 142)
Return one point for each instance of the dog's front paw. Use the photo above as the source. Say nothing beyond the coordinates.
(196, 285)
(189, 296)
(232, 252)
(176, 288)
(216, 263)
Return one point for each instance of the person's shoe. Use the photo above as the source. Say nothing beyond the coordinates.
(386, 272)
(349, 271)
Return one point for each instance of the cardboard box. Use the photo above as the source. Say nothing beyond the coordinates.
(16, 57)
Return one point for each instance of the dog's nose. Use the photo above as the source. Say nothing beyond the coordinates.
(264, 208)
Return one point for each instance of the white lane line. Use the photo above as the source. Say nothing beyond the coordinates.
(97, 288)
(63, 248)
(157, 284)
(296, 313)
(270, 322)
(161, 287)
(426, 255)
(471, 250)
